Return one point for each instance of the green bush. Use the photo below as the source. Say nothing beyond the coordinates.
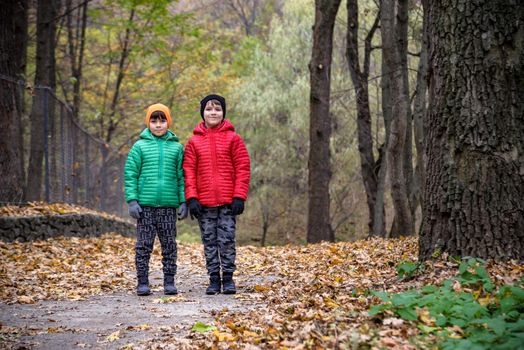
(467, 312)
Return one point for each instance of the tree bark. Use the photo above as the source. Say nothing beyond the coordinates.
(360, 83)
(379, 223)
(13, 45)
(419, 112)
(318, 223)
(401, 28)
(45, 76)
(474, 195)
(400, 112)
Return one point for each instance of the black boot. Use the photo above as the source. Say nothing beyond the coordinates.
(214, 284)
(228, 285)
(169, 285)
(143, 286)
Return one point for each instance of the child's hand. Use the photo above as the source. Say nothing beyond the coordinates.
(195, 208)
(134, 209)
(237, 207)
(182, 211)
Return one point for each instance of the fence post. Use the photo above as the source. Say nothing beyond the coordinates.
(120, 190)
(46, 144)
(74, 156)
(86, 168)
(62, 152)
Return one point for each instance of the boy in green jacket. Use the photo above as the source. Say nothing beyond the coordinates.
(154, 186)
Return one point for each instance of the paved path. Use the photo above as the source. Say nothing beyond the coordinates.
(116, 320)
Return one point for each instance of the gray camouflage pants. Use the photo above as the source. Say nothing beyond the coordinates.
(152, 222)
(217, 228)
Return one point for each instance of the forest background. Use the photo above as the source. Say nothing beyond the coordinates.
(348, 168)
(256, 54)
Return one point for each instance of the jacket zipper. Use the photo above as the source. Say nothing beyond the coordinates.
(160, 171)
(214, 165)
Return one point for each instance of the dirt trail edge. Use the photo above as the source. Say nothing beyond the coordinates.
(120, 320)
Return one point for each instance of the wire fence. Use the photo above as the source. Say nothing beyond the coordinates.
(78, 168)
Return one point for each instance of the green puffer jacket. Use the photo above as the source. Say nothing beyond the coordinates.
(153, 173)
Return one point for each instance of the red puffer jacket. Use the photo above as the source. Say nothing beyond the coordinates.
(216, 165)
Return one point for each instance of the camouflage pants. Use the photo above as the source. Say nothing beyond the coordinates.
(152, 222)
(217, 227)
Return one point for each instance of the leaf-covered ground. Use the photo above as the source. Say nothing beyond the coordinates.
(315, 296)
(42, 208)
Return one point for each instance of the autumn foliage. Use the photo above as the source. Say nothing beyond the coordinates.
(316, 296)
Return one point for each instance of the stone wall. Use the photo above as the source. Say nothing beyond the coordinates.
(29, 228)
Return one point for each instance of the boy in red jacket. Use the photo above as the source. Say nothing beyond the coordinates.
(216, 177)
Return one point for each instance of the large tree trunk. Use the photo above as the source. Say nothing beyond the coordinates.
(474, 196)
(13, 44)
(45, 76)
(400, 110)
(318, 223)
(360, 83)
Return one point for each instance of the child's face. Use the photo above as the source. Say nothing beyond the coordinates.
(158, 126)
(213, 114)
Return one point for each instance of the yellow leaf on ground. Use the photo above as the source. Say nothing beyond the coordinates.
(113, 336)
(250, 334)
(223, 336)
(425, 317)
(24, 299)
(260, 288)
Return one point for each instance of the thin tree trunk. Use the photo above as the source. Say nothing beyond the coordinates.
(360, 83)
(76, 46)
(402, 42)
(21, 20)
(13, 44)
(420, 111)
(265, 224)
(400, 111)
(379, 224)
(45, 76)
(318, 223)
(474, 195)
(122, 64)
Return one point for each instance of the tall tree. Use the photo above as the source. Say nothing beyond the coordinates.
(392, 43)
(360, 77)
(47, 12)
(13, 44)
(318, 222)
(474, 194)
(419, 111)
(75, 25)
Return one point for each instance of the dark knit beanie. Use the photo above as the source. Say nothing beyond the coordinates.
(208, 98)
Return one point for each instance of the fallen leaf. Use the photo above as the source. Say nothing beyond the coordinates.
(113, 336)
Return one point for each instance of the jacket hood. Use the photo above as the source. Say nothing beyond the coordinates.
(146, 134)
(160, 108)
(201, 129)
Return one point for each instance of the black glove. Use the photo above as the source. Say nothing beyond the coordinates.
(195, 208)
(182, 211)
(237, 207)
(134, 209)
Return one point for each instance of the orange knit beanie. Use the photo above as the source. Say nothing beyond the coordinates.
(161, 108)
